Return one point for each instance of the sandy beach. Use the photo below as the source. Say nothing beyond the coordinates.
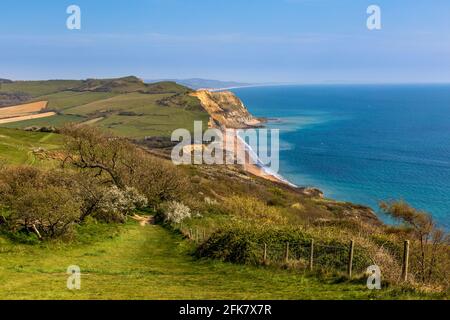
(250, 163)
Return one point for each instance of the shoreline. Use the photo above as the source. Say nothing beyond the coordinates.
(252, 164)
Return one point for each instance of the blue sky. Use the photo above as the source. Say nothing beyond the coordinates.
(302, 41)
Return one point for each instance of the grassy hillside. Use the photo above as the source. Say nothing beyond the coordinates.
(68, 99)
(39, 88)
(236, 211)
(130, 84)
(126, 106)
(21, 147)
(123, 102)
(117, 85)
(150, 263)
(228, 217)
(53, 121)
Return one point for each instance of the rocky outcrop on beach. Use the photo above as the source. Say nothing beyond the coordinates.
(226, 110)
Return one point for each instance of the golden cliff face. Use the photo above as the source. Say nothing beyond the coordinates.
(226, 110)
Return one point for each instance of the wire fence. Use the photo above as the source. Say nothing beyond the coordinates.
(340, 258)
(308, 255)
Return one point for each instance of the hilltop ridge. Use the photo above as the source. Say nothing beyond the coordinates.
(199, 83)
(130, 84)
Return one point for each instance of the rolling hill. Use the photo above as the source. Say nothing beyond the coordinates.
(198, 83)
(126, 106)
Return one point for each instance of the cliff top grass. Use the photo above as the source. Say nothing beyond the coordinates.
(135, 262)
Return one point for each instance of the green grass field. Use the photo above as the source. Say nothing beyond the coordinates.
(55, 121)
(125, 108)
(16, 146)
(68, 99)
(149, 262)
(147, 117)
(124, 102)
(39, 88)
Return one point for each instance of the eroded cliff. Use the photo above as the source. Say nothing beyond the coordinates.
(226, 110)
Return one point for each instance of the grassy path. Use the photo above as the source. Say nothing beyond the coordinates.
(149, 263)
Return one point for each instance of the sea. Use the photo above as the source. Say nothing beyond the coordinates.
(363, 143)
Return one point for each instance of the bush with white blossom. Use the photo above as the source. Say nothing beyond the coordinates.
(176, 212)
(116, 203)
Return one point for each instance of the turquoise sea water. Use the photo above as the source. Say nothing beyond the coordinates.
(363, 143)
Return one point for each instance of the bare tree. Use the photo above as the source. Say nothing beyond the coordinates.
(100, 153)
(433, 243)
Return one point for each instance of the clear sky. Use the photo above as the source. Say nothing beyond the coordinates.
(304, 41)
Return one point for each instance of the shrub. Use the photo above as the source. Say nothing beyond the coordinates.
(116, 204)
(430, 246)
(245, 244)
(49, 212)
(253, 209)
(176, 212)
(160, 181)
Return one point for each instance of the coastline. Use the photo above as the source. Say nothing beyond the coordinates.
(228, 113)
(255, 166)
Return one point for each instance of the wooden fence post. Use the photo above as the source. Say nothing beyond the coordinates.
(204, 234)
(311, 255)
(196, 235)
(286, 256)
(265, 254)
(350, 258)
(190, 234)
(405, 263)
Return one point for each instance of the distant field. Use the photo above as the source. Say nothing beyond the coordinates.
(39, 88)
(124, 102)
(160, 123)
(55, 121)
(68, 99)
(126, 106)
(16, 146)
(28, 117)
(137, 115)
(22, 109)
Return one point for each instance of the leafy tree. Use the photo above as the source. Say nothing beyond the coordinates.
(38, 201)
